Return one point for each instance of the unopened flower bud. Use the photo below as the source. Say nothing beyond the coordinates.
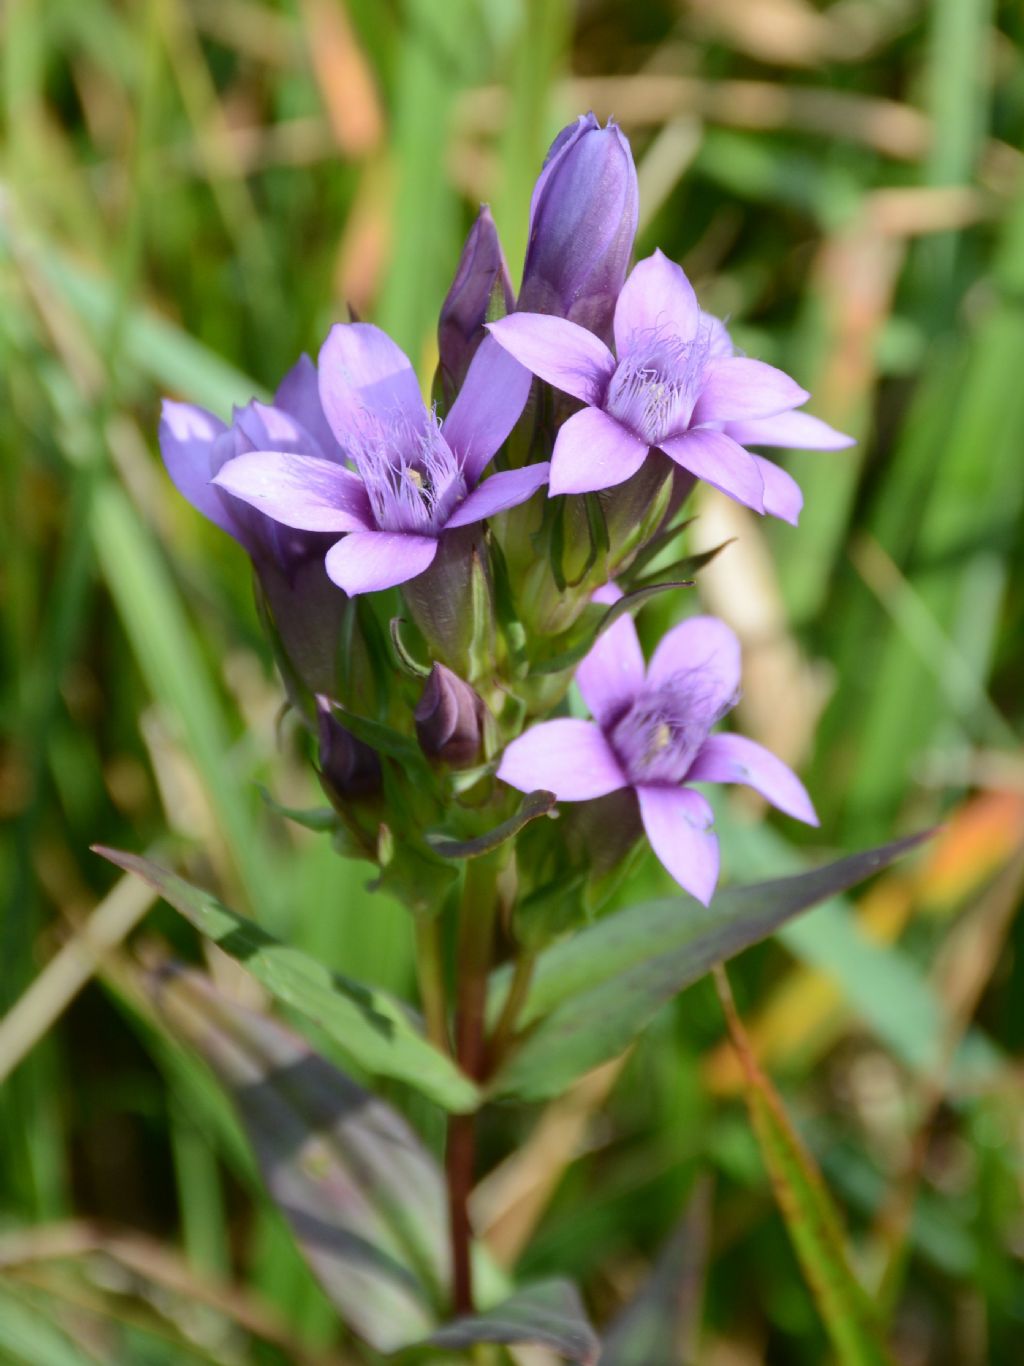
(450, 718)
(583, 220)
(348, 766)
(480, 292)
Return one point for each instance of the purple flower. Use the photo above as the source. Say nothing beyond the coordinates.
(583, 218)
(417, 479)
(651, 732)
(481, 282)
(196, 445)
(676, 385)
(305, 605)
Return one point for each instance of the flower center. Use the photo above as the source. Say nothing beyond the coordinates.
(657, 739)
(413, 479)
(655, 385)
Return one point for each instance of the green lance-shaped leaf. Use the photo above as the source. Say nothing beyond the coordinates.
(592, 994)
(596, 620)
(29, 1332)
(375, 1031)
(662, 1321)
(849, 1315)
(318, 818)
(548, 1314)
(364, 1198)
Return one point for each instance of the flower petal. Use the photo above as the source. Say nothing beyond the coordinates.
(782, 495)
(797, 431)
(735, 759)
(504, 489)
(719, 461)
(736, 387)
(299, 490)
(593, 451)
(656, 297)
(700, 644)
(571, 134)
(187, 434)
(557, 351)
(362, 370)
(299, 394)
(265, 427)
(677, 821)
(612, 672)
(369, 561)
(717, 334)
(568, 757)
(492, 396)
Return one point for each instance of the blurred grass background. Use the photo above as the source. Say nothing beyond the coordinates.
(190, 191)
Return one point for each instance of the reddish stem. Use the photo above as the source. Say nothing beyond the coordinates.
(476, 939)
(459, 1164)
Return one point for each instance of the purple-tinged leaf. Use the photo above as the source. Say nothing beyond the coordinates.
(548, 1314)
(662, 1321)
(363, 1196)
(374, 1030)
(533, 806)
(594, 993)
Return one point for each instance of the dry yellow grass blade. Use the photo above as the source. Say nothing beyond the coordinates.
(509, 1202)
(70, 969)
(344, 76)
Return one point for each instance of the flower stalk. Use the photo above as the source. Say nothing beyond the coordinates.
(478, 913)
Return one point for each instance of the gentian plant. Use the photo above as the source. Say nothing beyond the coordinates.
(447, 585)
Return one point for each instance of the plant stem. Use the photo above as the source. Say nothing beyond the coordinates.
(476, 940)
(518, 990)
(459, 1155)
(430, 971)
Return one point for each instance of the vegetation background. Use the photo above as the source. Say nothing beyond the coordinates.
(190, 192)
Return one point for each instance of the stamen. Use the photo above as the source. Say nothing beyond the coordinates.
(656, 384)
(658, 737)
(413, 479)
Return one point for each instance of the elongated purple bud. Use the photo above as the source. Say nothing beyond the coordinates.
(583, 219)
(348, 767)
(480, 292)
(450, 718)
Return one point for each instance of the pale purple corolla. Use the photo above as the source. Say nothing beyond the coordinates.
(418, 479)
(652, 732)
(195, 445)
(673, 384)
(305, 605)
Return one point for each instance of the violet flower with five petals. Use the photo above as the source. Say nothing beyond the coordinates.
(651, 732)
(195, 445)
(305, 606)
(674, 384)
(417, 478)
